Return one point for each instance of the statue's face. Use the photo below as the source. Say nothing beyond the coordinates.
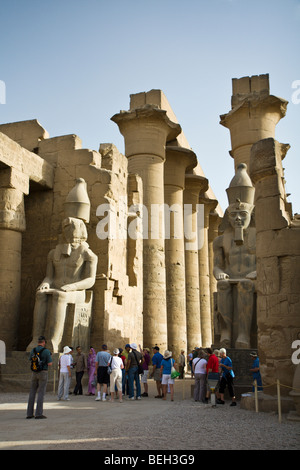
(240, 215)
(73, 230)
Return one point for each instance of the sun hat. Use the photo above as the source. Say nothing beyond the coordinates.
(167, 354)
(133, 346)
(67, 350)
(116, 351)
(253, 354)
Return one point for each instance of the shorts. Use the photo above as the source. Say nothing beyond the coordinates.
(166, 379)
(156, 375)
(116, 380)
(102, 375)
(144, 377)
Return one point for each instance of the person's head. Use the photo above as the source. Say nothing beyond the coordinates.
(155, 349)
(223, 352)
(116, 352)
(253, 355)
(41, 341)
(67, 350)
(133, 346)
(216, 352)
(104, 347)
(78, 349)
(209, 351)
(127, 347)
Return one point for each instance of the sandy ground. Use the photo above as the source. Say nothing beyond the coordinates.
(149, 424)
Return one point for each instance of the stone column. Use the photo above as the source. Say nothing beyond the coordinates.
(178, 161)
(194, 185)
(214, 221)
(204, 275)
(146, 131)
(253, 116)
(13, 186)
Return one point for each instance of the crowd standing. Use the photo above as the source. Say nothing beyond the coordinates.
(123, 372)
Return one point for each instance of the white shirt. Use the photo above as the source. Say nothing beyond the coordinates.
(200, 368)
(116, 362)
(65, 361)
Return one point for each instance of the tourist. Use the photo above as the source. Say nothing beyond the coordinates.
(191, 356)
(133, 360)
(80, 367)
(156, 362)
(199, 370)
(91, 367)
(125, 383)
(181, 364)
(166, 367)
(122, 356)
(64, 374)
(39, 380)
(212, 367)
(255, 371)
(102, 360)
(226, 378)
(116, 365)
(144, 378)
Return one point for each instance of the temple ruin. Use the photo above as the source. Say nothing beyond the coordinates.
(154, 225)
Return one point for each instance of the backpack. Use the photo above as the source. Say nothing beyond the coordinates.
(36, 361)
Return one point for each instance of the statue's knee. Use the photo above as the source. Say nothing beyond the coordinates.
(223, 285)
(246, 285)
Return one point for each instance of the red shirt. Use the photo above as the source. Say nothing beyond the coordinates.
(213, 364)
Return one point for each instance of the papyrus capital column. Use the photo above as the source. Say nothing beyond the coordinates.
(146, 131)
(178, 161)
(194, 185)
(253, 116)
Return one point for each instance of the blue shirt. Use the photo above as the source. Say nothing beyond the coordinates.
(227, 362)
(167, 364)
(103, 358)
(156, 359)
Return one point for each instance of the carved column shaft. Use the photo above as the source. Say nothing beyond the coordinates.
(177, 161)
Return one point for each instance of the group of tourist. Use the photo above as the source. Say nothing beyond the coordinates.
(121, 372)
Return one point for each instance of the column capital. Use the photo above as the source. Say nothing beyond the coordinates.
(146, 130)
(178, 161)
(196, 183)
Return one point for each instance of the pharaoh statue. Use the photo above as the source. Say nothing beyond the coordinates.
(71, 269)
(235, 263)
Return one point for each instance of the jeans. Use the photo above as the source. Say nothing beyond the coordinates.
(63, 386)
(78, 386)
(38, 384)
(133, 376)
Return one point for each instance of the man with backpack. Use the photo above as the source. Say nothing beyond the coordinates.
(40, 359)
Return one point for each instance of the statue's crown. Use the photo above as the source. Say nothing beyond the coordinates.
(241, 188)
(77, 203)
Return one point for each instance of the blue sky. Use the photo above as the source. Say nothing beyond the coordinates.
(72, 64)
